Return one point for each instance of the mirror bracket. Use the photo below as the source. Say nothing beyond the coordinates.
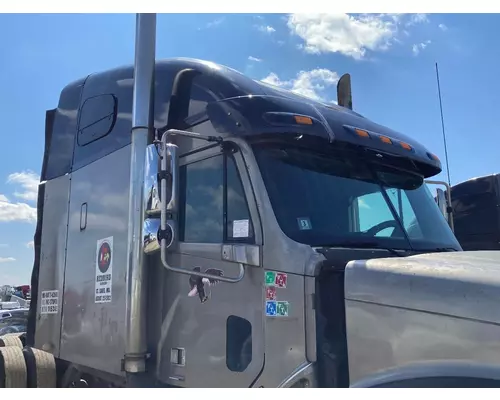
(448, 208)
(169, 176)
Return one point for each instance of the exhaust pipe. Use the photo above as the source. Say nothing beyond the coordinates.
(142, 123)
(344, 95)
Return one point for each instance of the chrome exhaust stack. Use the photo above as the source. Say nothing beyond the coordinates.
(142, 124)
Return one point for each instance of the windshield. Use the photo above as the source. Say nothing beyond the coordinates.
(334, 200)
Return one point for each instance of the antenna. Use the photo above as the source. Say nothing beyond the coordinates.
(442, 126)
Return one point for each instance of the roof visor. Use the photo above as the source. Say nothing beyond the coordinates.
(254, 116)
(251, 116)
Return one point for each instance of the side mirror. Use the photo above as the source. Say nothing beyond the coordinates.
(171, 188)
(443, 200)
(169, 194)
(161, 197)
(442, 203)
(151, 184)
(169, 183)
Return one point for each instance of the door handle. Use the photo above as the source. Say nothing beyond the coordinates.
(83, 216)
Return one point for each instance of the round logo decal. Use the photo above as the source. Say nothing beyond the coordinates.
(104, 257)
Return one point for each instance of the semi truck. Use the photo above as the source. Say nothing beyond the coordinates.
(475, 204)
(471, 208)
(198, 228)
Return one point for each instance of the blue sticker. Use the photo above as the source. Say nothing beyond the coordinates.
(304, 224)
(271, 308)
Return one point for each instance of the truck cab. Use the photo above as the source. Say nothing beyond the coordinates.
(476, 212)
(255, 203)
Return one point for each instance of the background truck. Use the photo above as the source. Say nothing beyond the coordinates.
(476, 212)
(472, 210)
(242, 236)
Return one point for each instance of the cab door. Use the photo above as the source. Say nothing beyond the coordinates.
(213, 331)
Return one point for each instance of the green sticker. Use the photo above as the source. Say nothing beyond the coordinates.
(270, 278)
(282, 308)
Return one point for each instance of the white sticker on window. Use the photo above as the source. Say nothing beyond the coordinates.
(304, 224)
(49, 303)
(240, 228)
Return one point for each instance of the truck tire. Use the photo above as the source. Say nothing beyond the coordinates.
(13, 372)
(20, 335)
(41, 368)
(10, 341)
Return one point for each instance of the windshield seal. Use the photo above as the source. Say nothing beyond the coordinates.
(318, 190)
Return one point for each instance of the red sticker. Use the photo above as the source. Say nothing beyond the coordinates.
(281, 280)
(270, 293)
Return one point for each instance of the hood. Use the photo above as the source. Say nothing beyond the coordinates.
(460, 284)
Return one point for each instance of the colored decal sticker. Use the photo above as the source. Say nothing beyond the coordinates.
(270, 278)
(240, 228)
(280, 280)
(304, 224)
(271, 308)
(199, 286)
(104, 271)
(49, 303)
(282, 308)
(270, 293)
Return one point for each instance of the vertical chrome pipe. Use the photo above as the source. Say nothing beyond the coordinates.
(142, 122)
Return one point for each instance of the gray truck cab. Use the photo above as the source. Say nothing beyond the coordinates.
(255, 202)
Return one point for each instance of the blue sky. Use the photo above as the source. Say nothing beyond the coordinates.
(390, 57)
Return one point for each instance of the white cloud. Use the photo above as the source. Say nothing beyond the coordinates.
(311, 84)
(30, 245)
(266, 29)
(417, 48)
(416, 19)
(6, 259)
(10, 212)
(251, 58)
(350, 35)
(28, 181)
(213, 24)
(443, 27)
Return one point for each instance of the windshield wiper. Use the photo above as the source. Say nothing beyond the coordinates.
(366, 245)
(439, 249)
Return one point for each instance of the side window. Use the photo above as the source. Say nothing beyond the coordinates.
(202, 214)
(403, 207)
(97, 118)
(373, 210)
(239, 224)
(213, 203)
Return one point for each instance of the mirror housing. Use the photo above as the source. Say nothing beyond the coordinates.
(442, 203)
(168, 178)
(171, 152)
(161, 191)
(443, 200)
